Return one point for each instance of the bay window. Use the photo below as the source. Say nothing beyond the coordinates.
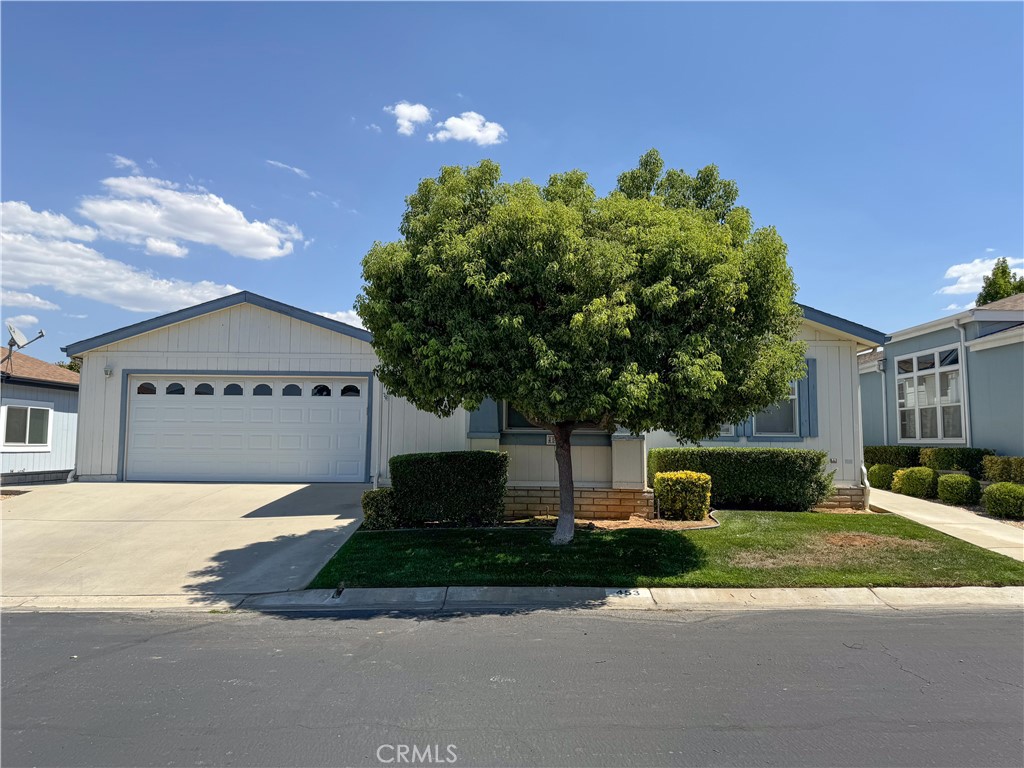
(929, 399)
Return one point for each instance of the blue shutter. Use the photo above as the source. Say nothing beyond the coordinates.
(807, 400)
(746, 428)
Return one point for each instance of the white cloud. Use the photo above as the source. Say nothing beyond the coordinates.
(77, 317)
(26, 300)
(958, 307)
(348, 316)
(375, 128)
(969, 275)
(152, 163)
(125, 162)
(157, 247)
(78, 270)
(990, 250)
(408, 115)
(23, 321)
(286, 167)
(470, 126)
(16, 216)
(136, 208)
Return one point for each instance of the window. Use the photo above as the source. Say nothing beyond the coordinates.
(928, 396)
(233, 390)
(779, 419)
(514, 420)
(292, 390)
(175, 389)
(727, 430)
(350, 390)
(321, 390)
(204, 389)
(27, 427)
(146, 388)
(263, 390)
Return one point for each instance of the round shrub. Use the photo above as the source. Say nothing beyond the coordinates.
(683, 495)
(920, 482)
(379, 510)
(959, 489)
(880, 476)
(1004, 500)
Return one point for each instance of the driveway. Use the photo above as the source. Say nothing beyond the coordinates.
(95, 546)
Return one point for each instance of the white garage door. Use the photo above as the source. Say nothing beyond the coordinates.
(270, 429)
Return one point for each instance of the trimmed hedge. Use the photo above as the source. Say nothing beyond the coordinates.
(959, 489)
(1003, 469)
(1004, 500)
(683, 495)
(462, 488)
(962, 459)
(898, 456)
(920, 482)
(379, 511)
(880, 476)
(752, 478)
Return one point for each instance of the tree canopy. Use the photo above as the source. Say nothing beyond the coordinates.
(657, 306)
(1000, 284)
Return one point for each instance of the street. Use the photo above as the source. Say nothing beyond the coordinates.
(844, 688)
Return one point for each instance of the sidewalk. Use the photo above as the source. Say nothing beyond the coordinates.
(980, 531)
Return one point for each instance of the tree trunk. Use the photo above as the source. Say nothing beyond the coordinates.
(566, 503)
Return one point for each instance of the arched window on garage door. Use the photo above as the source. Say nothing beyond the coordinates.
(233, 389)
(350, 390)
(321, 390)
(263, 390)
(146, 388)
(204, 389)
(292, 390)
(175, 389)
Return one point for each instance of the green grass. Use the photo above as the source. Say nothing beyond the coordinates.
(750, 549)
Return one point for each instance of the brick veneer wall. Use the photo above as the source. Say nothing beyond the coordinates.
(846, 498)
(591, 503)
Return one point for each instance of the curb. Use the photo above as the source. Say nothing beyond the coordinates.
(469, 599)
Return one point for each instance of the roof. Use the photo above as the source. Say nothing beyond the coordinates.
(20, 368)
(1010, 302)
(242, 297)
(858, 331)
(870, 357)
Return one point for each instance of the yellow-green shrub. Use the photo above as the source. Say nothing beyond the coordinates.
(683, 495)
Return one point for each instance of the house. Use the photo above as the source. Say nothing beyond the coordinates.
(956, 381)
(39, 414)
(247, 389)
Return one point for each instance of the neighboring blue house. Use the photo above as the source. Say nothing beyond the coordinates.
(38, 420)
(954, 381)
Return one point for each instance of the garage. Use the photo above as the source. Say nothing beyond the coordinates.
(295, 428)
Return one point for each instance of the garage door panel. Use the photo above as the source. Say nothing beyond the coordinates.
(247, 437)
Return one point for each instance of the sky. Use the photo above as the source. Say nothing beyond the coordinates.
(158, 155)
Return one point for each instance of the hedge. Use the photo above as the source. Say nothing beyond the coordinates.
(920, 482)
(462, 488)
(963, 459)
(1004, 500)
(959, 489)
(379, 511)
(898, 456)
(1003, 469)
(752, 478)
(683, 495)
(880, 476)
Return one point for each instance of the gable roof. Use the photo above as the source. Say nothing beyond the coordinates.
(19, 368)
(242, 297)
(1010, 309)
(1010, 302)
(858, 331)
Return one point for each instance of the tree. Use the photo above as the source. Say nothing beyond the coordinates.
(656, 306)
(74, 364)
(1000, 284)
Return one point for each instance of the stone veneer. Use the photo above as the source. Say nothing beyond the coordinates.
(846, 498)
(591, 503)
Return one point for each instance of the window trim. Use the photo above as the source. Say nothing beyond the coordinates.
(937, 371)
(25, 448)
(540, 430)
(794, 396)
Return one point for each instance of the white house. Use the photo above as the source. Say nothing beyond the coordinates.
(246, 389)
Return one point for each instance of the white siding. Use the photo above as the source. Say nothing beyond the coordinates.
(535, 465)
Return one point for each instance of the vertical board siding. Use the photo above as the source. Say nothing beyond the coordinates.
(536, 465)
(61, 456)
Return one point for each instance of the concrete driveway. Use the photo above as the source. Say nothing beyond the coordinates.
(97, 546)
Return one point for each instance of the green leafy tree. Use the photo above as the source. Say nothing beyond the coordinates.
(1000, 284)
(73, 364)
(657, 306)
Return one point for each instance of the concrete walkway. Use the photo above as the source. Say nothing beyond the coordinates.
(980, 531)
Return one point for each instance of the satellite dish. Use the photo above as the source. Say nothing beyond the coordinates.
(17, 337)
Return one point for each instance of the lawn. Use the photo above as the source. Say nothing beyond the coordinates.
(750, 549)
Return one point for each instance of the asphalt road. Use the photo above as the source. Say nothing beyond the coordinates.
(544, 688)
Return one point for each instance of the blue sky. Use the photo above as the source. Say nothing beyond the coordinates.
(883, 141)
